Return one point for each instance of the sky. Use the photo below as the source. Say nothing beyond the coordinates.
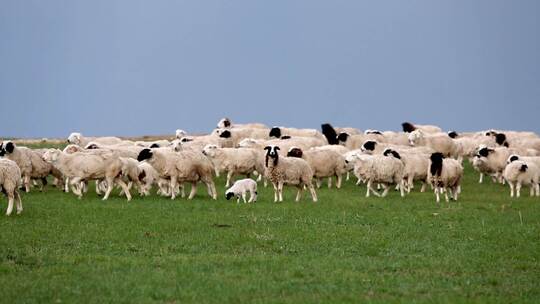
(127, 68)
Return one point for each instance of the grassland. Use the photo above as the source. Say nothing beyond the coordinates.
(343, 249)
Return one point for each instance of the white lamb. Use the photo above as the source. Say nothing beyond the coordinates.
(10, 181)
(240, 188)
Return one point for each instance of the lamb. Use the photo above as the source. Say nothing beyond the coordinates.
(416, 166)
(518, 173)
(10, 181)
(439, 142)
(323, 163)
(80, 167)
(233, 161)
(78, 139)
(30, 163)
(289, 171)
(149, 176)
(445, 175)
(180, 167)
(409, 128)
(385, 170)
(241, 188)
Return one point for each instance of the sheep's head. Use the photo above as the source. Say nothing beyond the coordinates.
(180, 133)
(229, 195)
(7, 148)
(70, 149)
(408, 127)
(275, 132)
(369, 131)
(415, 137)
(51, 155)
(490, 133)
(224, 123)
(272, 152)
(225, 134)
(74, 138)
(295, 152)
(154, 145)
(453, 134)
(342, 137)
(368, 146)
(512, 158)
(390, 152)
(92, 146)
(436, 163)
(330, 134)
(484, 152)
(210, 150)
(500, 139)
(176, 145)
(145, 154)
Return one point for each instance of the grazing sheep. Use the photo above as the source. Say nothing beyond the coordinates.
(240, 188)
(445, 175)
(180, 167)
(78, 139)
(80, 167)
(226, 123)
(289, 171)
(409, 128)
(439, 142)
(233, 161)
(323, 163)
(279, 132)
(384, 170)
(518, 173)
(492, 161)
(10, 181)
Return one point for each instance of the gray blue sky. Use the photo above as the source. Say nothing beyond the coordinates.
(149, 67)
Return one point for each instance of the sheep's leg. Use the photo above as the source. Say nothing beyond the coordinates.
(27, 183)
(531, 190)
(10, 203)
(368, 188)
(329, 182)
(481, 180)
(76, 181)
(410, 183)
(386, 188)
(511, 184)
(275, 192)
(172, 187)
(313, 193)
(280, 189)
(437, 195)
(446, 194)
(193, 190)
(423, 188)
(456, 193)
(318, 183)
(348, 175)
(299, 191)
(229, 176)
(402, 188)
(110, 186)
(252, 196)
(518, 189)
(19, 202)
(358, 182)
(244, 196)
(66, 185)
(339, 180)
(124, 187)
(537, 188)
(213, 187)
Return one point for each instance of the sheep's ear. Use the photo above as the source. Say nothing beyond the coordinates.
(396, 155)
(154, 145)
(513, 158)
(523, 168)
(267, 148)
(277, 148)
(10, 147)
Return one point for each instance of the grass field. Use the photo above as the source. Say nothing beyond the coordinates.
(343, 249)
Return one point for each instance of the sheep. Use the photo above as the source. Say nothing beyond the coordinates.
(233, 161)
(323, 163)
(409, 128)
(385, 170)
(79, 167)
(416, 165)
(353, 142)
(445, 175)
(331, 134)
(79, 139)
(180, 167)
(240, 188)
(147, 177)
(528, 159)
(122, 150)
(30, 163)
(492, 161)
(279, 132)
(10, 181)
(289, 171)
(237, 134)
(304, 143)
(518, 173)
(226, 123)
(180, 133)
(152, 144)
(438, 142)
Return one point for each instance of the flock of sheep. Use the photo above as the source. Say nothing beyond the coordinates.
(283, 156)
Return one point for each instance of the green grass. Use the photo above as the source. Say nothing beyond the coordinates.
(345, 248)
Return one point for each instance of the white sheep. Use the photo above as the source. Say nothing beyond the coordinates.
(324, 163)
(409, 128)
(10, 181)
(227, 123)
(518, 173)
(240, 188)
(384, 170)
(180, 167)
(233, 161)
(279, 132)
(180, 133)
(528, 159)
(416, 166)
(445, 175)
(78, 139)
(288, 171)
(440, 142)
